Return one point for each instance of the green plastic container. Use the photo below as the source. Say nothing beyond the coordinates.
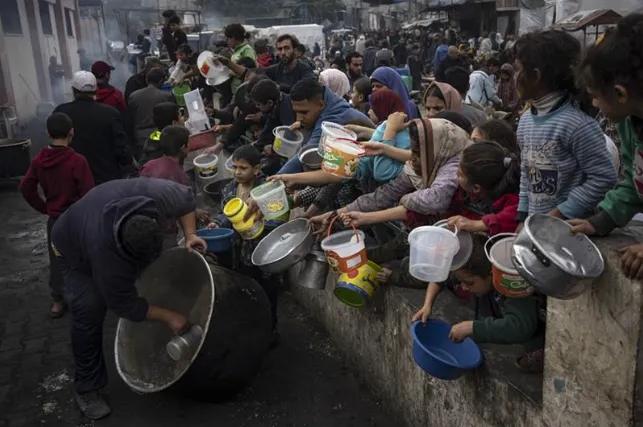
(179, 91)
(408, 81)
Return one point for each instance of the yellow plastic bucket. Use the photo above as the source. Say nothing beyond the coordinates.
(356, 287)
(235, 210)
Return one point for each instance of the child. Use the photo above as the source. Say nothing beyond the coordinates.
(612, 72)
(565, 169)
(246, 163)
(362, 89)
(163, 115)
(498, 131)
(64, 177)
(509, 321)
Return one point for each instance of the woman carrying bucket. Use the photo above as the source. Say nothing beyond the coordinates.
(506, 320)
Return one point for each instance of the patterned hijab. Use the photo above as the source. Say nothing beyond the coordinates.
(439, 140)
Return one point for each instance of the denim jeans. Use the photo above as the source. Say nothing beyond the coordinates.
(293, 165)
(88, 311)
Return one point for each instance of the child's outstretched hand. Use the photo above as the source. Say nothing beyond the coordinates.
(373, 148)
(465, 224)
(423, 314)
(295, 126)
(632, 261)
(461, 331)
(202, 216)
(383, 275)
(353, 219)
(212, 225)
(582, 226)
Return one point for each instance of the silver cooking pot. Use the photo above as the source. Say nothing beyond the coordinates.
(284, 247)
(557, 263)
(313, 271)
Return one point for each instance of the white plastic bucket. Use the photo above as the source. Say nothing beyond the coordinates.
(466, 246)
(333, 130)
(271, 198)
(341, 157)
(206, 165)
(345, 250)
(287, 142)
(432, 251)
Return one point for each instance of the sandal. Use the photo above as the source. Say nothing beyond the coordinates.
(56, 314)
(532, 363)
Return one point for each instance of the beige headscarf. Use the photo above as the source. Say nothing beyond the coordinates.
(452, 98)
(439, 140)
(336, 81)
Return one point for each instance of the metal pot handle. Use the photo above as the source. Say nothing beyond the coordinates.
(542, 258)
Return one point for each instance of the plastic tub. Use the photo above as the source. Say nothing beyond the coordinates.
(341, 157)
(466, 246)
(287, 142)
(228, 164)
(437, 355)
(345, 250)
(206, 165)
(357, 287)
(505, 277)
(271, 198)
(432, 251)
(330, 129)
(218, 239)
(179, 91)
(310, 159)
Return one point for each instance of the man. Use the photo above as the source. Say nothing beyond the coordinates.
(481, 85)
(453, 59)
(401, 52)
(415, 66)
(288, 71)
(384, 57)
(106, 93)
(56, 74)
(98, 130)
(369, 57)
(103, 242)
(300, 55)
(139, 115)
(166, 38)
(355, 63)
(458, 78)
(360, 44)
(314, 104)
(178, 35)
(441, 52)
(85, 62)
(187, 57)
(137, 81)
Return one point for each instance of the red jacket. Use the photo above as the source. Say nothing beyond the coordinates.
(264, 60)
(63, 175)
(109, 95)
(499, 216)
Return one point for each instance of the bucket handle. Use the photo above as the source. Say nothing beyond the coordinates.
(493, 239)
(330, 228)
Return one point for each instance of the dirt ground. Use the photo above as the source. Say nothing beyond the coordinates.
(303, 382)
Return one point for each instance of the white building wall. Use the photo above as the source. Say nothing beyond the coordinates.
(92, 28)
(72, 41)
(22, 68)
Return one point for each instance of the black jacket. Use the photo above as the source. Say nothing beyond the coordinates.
(86, 235)
(99, 137)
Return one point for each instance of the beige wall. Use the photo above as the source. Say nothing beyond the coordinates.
(72, 42)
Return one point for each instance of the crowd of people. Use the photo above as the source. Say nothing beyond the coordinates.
(446, 158)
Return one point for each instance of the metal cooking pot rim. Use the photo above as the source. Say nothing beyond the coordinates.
(205, 327)
(292, 248)
(553, 260)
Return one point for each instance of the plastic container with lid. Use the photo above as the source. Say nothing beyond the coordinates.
(341, 157)
(432, 252)
(330, 129)
(287, 142)
(271, 198)
(206, 165)
(345, 250)
(466, 246)
(235, 210)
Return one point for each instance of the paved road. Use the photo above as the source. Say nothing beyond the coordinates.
(303, 383)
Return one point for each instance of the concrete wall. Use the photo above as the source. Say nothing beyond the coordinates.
(92, 28)
(22, 68)
(591, 357)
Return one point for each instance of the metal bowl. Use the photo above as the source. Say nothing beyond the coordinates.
(285, 246)
(310, 159)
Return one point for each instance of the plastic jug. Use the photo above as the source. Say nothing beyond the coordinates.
(235, 210)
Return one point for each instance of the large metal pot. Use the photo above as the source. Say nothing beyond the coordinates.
(557, 263)
(14, 157)
(284, 247)
(236, 326)
(313, 271)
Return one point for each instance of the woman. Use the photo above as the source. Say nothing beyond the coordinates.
(507, 89)
(441, 97)
(426, 184)
(388, 78)
(336, 81)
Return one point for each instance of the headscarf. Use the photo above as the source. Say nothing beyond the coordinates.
(507, 91)
(336, 81)
(392, 80)
(452, 98)
(457, 119)
(385, 102)
(439, 140)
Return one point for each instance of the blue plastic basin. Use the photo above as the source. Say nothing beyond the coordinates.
(438, 356)
(218, 239)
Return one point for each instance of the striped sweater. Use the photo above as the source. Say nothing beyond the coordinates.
(565, 163)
